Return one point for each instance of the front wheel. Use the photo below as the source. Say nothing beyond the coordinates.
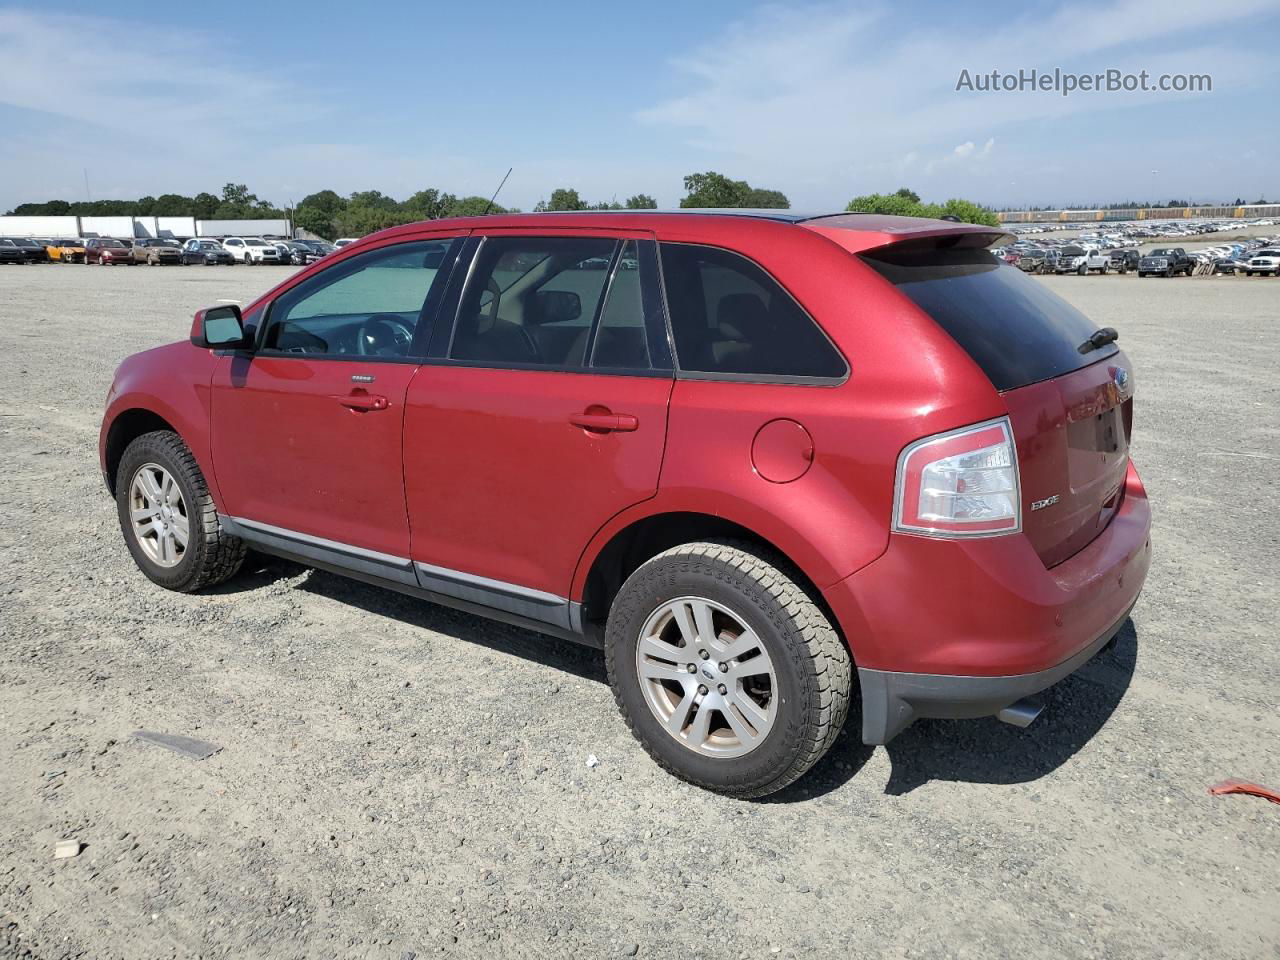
(725, 669)
(168, 517)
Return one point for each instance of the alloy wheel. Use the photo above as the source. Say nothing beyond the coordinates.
(159, 515)
(707, 677)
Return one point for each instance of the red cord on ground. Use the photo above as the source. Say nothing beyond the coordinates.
(1243, 786)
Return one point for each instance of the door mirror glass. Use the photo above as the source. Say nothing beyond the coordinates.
(220, 326)
(556, 306)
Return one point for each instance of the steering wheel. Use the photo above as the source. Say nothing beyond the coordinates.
(383, 335)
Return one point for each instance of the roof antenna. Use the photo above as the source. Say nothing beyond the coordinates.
(496, 192)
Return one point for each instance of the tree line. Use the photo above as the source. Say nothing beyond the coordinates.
(329, 214)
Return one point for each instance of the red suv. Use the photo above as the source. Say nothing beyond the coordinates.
(745, 454)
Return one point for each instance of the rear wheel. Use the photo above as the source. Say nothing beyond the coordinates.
(725, 670)
(168, 517)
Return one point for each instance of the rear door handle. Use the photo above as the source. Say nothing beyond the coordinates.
(605, 422)
(362, 401)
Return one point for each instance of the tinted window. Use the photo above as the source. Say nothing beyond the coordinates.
(728, 316)
(532, 300)
(370, 305)
(1014, 327)
(620, 340)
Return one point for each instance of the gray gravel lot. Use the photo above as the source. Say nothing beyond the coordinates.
(398, 779)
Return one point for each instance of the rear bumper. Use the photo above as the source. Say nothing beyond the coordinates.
(891, 701)
(963, 628)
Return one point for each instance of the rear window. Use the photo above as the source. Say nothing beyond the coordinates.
(1015, 328)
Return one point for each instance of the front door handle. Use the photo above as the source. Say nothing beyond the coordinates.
(362, 401)
(605, 422)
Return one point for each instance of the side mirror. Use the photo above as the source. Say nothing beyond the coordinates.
(219, 328)
(557, 306)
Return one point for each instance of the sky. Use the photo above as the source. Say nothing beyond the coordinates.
(823, 101)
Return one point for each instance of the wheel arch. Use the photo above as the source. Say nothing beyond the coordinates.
(126, 427)
(621, 548)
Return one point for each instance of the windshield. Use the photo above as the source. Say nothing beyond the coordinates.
(251, 242)
(1014, 327)
(1162, 252)
(112, 243)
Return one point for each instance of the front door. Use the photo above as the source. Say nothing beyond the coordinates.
(306, 431)
(545, 417)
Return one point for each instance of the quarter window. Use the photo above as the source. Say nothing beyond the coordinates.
(730, 317)
(370, 305)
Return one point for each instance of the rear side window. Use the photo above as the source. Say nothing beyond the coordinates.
(729, 317)
(1015, 328)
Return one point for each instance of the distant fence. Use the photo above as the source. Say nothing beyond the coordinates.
(176, 228)
(1247, 212)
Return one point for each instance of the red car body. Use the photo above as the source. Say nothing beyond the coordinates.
(482, 476)
(107, 252)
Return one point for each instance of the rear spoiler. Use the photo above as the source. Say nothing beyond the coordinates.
(858, 233)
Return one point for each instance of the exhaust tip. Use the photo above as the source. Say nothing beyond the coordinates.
(1021, 714)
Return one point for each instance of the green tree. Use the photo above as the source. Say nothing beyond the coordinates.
(766, 199)
(429, 204)
(641, 201)
(316, 221)
(906, 203)
(203, 206)
(474, 207)
(565, 198)
(173, 205)
(713, 189)
(237, 194)
(373, 199)
(323, 201)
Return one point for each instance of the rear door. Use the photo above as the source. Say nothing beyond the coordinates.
(1070, 402)
(542, 416)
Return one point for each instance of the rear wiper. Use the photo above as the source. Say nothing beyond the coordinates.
(1098, 339)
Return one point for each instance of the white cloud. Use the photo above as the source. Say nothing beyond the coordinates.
(840, 97)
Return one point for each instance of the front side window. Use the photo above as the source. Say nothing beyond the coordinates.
(371, 305)
(729, 317)
(533, 300)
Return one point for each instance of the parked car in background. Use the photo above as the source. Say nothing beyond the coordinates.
(155, 252)
(252, 250)
(206, 251)
(107, 252)
(1122, 261)
(747, 523)
(343, 241)
(1072, 259)
(10, 252)
(302, 252)
(1167, 262)
(1030, 261)
(1263, 262)
(1230, 265)
(1098, 262)
(33, 251)
(65, 251)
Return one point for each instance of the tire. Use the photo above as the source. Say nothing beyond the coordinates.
(210, 556)
(1168, 274)
(1083, 269)
(740, 589)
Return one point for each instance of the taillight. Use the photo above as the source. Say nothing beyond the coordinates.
(963, 483)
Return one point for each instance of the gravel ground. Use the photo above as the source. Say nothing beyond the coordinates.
(397, 779)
